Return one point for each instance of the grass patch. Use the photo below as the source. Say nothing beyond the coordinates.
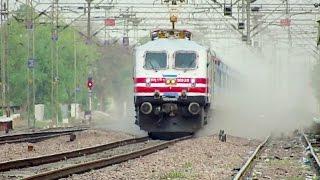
(282, 162)
(174, 175)
(295, 178)
(187, 165)
(42, 124)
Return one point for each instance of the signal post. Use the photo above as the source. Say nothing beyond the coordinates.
(90, 86)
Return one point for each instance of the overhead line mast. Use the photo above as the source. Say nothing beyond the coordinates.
(248, 22)
(289, 21)
(5, 51)
(30, 26)
(89, 21)
(54, 61)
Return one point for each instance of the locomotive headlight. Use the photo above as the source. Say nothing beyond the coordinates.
(173, 81)
(193, 82)
(168, 81)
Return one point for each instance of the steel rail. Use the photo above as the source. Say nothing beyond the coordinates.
(65, 128)
(34, 139)
(84, 167)
(35, 161)
(12, 137)
(247, 166)
(315, 159)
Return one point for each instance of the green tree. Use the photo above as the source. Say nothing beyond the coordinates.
(18, 56)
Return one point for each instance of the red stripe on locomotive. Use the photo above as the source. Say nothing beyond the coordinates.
(170, 89)
(178, 80)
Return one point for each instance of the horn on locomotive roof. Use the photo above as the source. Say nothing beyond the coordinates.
(171, 33)
(173, 20)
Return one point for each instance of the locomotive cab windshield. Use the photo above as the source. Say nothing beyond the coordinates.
(185, 60)
(155, 60)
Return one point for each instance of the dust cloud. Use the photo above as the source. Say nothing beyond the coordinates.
(272, 92)
(120, 116)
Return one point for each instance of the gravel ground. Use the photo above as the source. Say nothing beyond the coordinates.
(18, 131)
(283, 159)
(59, 144)
(199, 158)
(25, 172)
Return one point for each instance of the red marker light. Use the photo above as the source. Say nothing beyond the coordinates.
(90, 83)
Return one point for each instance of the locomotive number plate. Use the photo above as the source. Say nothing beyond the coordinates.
(170, 96)
(169, 99)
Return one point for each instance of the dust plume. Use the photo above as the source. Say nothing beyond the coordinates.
(121, 116)
(114, 90)
(272, 92)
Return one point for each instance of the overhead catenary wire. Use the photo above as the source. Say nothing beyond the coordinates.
(200, 10)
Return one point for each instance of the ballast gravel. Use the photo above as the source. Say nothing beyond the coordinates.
(284, 158)
(29, 171)
(199, 158)
(59, 144)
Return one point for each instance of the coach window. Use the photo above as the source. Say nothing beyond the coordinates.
(155, 60)
(185, 60)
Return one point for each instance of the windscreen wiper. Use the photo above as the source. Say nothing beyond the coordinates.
(188, 67)
(191, 63)
(152, 66)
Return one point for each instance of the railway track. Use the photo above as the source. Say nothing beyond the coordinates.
(247, 167)
(61, 165)
(314, 157)
(37, 136)
(282, 160)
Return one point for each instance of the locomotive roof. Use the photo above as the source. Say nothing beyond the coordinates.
(171, 44)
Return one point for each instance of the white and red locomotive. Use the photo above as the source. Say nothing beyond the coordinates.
(173, 83)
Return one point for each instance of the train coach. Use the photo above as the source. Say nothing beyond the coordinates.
(173, 83)
(226, 78)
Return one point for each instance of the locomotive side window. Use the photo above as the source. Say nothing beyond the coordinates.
(185, 60)
(155, 60)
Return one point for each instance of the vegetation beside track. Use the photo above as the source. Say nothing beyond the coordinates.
(111, 64)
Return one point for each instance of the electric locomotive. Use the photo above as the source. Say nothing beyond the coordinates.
(173, 83)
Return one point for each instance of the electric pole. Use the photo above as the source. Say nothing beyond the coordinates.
(248, 22)
(30, 26)
(88, 42)
(105, 28)
(318, 38)
(75, 73)
(54, 61)
(89, 21)
(289, 24)
(5, 51)
(243, 10)
(286, 62)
